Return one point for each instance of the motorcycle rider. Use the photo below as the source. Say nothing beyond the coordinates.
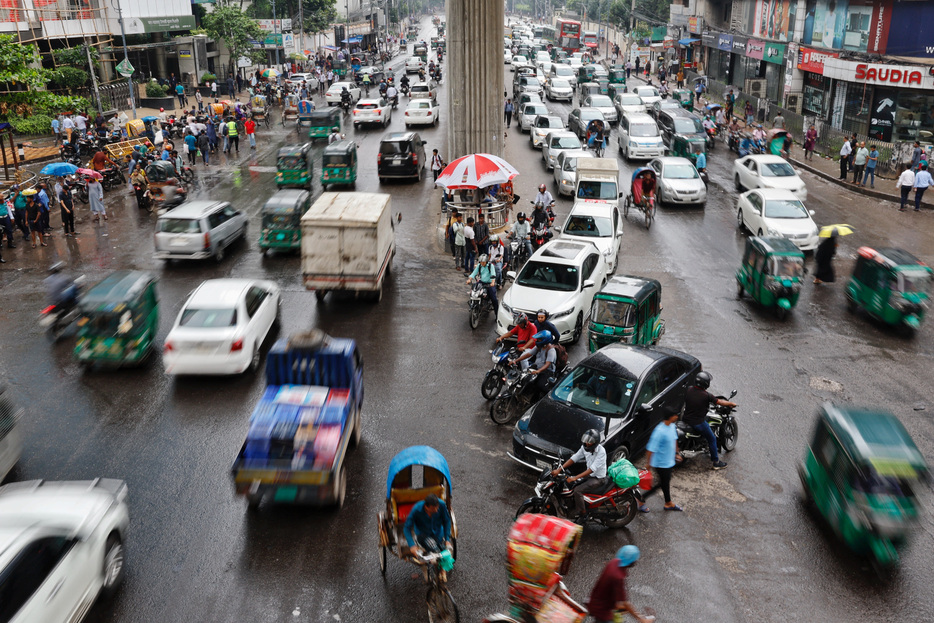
(593, 478)
(523, 330)
(383, 86)
(486, 274)
(540, 219)
(61, 289)
(544, 358)
(345, 98)
(497, 255)
(543, 324)
(697, 401)
(404, 83)
(544, 197)
(392, 95)
(521, 230)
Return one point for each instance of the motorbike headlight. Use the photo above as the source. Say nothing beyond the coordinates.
(563, 314)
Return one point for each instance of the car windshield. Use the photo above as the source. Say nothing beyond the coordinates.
(590, 115)
(688, 126)
(518, 59)
(560, 84)
(595, 391)
(420, 104)
(534, 110)
(565, 142)
(392, 147)
(548, 122)
(279, 218)
(601, 101)
(563, 70)
(680, 172)
(590, 226)
(647, 92)
(570, 164)
(545, 276)
(180, 226)
(643, 129)
(531, 82)
(420, 88)
(785, 208)
(597, 190)
(777, 169)
(784, 266)
(914, 281)
(630, 100)
(208, 318)
(614, 313)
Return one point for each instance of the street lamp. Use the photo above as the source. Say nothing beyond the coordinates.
(126, 55)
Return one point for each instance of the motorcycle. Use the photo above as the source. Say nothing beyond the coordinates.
(69, 154)
(404, 89)
(56, 319)
(539, 237)
(501, 371)
(394, 101)
(113, 178)
(479, 304)
(712, 134)
(613, 507)
(517, 396)
(703, 176)
(722, 423)
(518, 253)
(345, 104)
(145, 201)
(79, 190)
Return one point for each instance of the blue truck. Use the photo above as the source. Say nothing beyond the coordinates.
(303, 426)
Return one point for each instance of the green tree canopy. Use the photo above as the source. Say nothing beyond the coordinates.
(16, 64)
(228, 23)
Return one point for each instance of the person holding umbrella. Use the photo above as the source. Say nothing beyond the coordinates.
(826, 251)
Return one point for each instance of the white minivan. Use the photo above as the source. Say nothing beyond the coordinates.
(638, 137)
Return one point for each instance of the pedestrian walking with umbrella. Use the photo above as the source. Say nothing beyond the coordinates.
(826, 251)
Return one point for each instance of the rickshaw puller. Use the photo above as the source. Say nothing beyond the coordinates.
(428, 519)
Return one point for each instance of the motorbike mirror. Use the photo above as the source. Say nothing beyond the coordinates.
(621, 195)
(732, 393)
(510, 274)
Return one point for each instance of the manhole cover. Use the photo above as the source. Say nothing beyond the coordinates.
(825, 385)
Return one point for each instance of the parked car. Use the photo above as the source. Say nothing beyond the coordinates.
(599, 224)
(557, 141)
(221, 327)
(197, 230)
(561, 277)
(621, 390)
(767, 171)
(559, 89)
(579, 118)
(565, 172)
(649, 94)
(333, 94)
(528, 113)
(542, 125)
(401, 154)
(628, 103)
(422, 112)
(678, 181)
(62, 546)
(638, 137)
(604, 104)
(372, 111)
(777, 212)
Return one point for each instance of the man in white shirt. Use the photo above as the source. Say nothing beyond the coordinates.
(845, 152)
(68, 125)
(470, 250)
(594, 477)
(81, 124)
(906, 181)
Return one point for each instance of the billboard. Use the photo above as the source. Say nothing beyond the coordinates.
(911, 30)
(775, 19)
(857, 25)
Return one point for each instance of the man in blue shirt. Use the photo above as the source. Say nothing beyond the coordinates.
(486, 274)
(923, 181)
(428, 519)
(701, 162)
(660, 453)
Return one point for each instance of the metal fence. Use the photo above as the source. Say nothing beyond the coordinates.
(496, 214)
(113, 97)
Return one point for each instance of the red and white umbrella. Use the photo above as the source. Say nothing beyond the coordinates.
(476, 171)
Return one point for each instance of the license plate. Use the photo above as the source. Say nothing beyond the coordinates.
(543, 464)
(179, 241)
(397, 160)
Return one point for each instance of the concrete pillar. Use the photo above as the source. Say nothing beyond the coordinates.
(158, 55)
(474, 73)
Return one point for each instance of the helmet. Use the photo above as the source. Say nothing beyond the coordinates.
(590, 437)
(541, 188)
(162, 110)
(483, 258)
(542, 337)
(521, 319)
(520, 216)
(56, 267)
(542, 312)
(627, 555)
(703, 380)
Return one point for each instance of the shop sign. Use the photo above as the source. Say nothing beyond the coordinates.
(812, 60)
(903, 76)
(882, 116)
(184, 53)
(739, 44)
(725, 42)
(755, 48)
(695, 25)
(774, 53)
(274, 25)
(669, 43)
(709, 39)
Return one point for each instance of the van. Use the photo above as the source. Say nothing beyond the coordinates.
(639, 137)
(197, 230)
(680, 121)
(401, 154)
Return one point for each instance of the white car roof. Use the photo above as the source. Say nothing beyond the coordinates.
(570, 252)
(774, 194)
(423, 102)
(765, 158)
(71, 505)
(667, 160)
(219, 293)
(374, 101)
(592, 208)
(337, 86)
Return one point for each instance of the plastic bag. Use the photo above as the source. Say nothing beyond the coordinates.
(624, 474)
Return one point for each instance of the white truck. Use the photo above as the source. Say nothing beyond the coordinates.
(597, 181)
(348, 240)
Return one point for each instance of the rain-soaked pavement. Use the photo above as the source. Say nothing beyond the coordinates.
(745, 549)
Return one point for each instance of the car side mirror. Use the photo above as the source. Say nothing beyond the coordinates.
(811, 212)
(556, 228)
(511, 274)
(588, 284)
(645, 408)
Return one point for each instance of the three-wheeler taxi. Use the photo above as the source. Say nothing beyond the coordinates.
(295, 167)
(684, 97)
(689, 148)
(119, 319)
(617, 74)
(891, 285)
(282, 216)
(321, 122)
(339, 163)
(772, 273)
(862, 472)
(627, 310)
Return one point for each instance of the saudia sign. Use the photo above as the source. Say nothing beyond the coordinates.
(890, 75)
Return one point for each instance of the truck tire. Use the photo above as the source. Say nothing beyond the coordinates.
(340, 488)
(357, 429)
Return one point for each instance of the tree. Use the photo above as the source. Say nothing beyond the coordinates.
(19, 64)
(229, 24)
(319, 14)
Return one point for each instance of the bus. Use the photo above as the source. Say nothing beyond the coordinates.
(589, 39)
(548, 34)
(568, 35)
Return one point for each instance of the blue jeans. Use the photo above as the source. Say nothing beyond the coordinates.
(870, 175)
(491, 292)
(704, 429)
(469, 257)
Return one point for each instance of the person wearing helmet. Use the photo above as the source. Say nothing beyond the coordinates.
(544, 358)
(609, 594)
(523, 329)
(539, 217)
(544, 197)
(522, 230)
(60, 288)
(485, 274)
(697, 401)
(497, 254)
(593, 478)
(543, 324)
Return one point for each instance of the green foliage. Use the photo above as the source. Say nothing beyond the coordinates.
(154, 89)
(26, 103)
(33, 124)
(77, 57)
(229, 24)
(15, 61)
(208, 77)
(71, 78)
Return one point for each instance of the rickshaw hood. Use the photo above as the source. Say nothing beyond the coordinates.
(417, 455)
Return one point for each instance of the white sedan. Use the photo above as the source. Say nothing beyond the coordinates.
(221, 327)
(599, 223)
(61, 545)
(517, 61)
(372, 111)
(628, 104)
(648, 94)
(559, 89)
(422, 112)
(333, 96)
(542, 125)
(767, 171)
(308, 78)
(678, 181)
(507, 56)
(777, 212)
(413, 64)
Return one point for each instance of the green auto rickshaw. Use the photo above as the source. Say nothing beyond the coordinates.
(684, 97)
(321, 122)
(626, 310)
(340, 66)
(295, 167)
(339, 163)
(772, 273)
(687, 147)
(421, 50)
(862, 471)
(282, 217)
(892, 285)
(119, 319)
(614, 89)
(617, 74)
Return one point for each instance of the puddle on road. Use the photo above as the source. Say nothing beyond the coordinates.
(706, 489)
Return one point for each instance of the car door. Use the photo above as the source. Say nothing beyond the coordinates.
(617, 233)
(672, 385)
(593, 269)
(574, 121)
(754, 217)
(233, 223)
(752, 174)
(257, 311)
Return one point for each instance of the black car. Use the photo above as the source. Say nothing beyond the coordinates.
(580, 118)
(679, 121)
(621, 390)
(401, 154)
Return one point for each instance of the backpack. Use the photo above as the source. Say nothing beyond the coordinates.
(224, 130)
(561, 357)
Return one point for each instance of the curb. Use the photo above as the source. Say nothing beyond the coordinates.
(870, 192)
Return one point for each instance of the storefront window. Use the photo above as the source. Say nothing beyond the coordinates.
(914, 116)
(856, 108)
(775, 78)
(724, 69)
(815, 86)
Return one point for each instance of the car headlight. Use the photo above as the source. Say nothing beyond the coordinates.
(566, 182)
(667, 187)
(562, 314)
(506, 308)
(523, 423)
(773, 232)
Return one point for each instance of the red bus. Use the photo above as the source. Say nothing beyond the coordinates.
(568, 35)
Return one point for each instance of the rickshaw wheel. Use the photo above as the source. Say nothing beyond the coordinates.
(441, 606)
(382, 559)
(649, 217)
(454, 547)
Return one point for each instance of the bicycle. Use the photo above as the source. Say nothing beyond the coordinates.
(440, 602)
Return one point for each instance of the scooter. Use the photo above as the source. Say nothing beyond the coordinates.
(113, 178)
(518, 253)
(501, 372)
(723, 424)
(479, 303)
(56, 319)
(394, 101)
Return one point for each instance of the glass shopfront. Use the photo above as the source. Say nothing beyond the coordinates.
(815, 92)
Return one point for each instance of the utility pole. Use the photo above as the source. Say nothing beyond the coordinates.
(301, 26)
(97, 92)
(126, 54)
(632, 27)
(275, 31)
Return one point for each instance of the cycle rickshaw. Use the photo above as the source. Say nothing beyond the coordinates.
(258, 106)
(642, 194)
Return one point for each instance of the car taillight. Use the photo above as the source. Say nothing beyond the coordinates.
(379, 158)
(406, 113)
(355, 112)
(168, 347)
(415, 159)
(207, 241)
(429, 113)
(48, 310)
(237, 345)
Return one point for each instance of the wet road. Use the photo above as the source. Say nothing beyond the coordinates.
(743, 550)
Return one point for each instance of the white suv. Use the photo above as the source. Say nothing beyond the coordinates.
(638, 137)
(61, 545)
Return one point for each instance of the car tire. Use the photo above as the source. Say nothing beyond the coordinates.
(254, 360)
(219, 255)
(739, 220)
(114, 564)
(621, 452)
(739, 187)
(578, 328)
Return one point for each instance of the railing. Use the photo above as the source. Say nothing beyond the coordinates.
(496, 213)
